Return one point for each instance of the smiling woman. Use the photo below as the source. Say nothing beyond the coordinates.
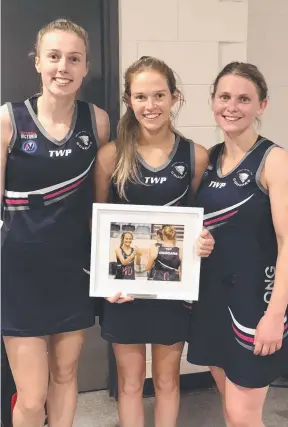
(240, 326)
(62, 61)
(150, 163)
(48, 148)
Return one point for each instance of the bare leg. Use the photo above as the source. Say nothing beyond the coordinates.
(244, 406)
(29, 365)
(166, 377)
(63, 352)
(131, 369)
(220, 379)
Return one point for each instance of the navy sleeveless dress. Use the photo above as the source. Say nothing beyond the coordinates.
(237, 278)
(167, 264)
(154, 321)
(45, 235)
(127, 271)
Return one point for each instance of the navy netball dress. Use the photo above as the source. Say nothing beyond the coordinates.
(127, 271)
(45, 236)
(167, 264)
(154, 321)
(237, 278)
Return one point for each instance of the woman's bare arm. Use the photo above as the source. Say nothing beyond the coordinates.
(269, 332)
(151, 259)
(6, 137)
(104, 168)
(124, 261)
(103, 125)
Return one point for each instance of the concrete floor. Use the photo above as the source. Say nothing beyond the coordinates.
(199, 408)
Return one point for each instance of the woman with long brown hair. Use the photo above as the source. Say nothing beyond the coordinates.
(150, 163)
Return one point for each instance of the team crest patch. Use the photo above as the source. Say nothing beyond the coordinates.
(179, 170)
(205, 174)
(29, 146)
(83, 140)
(243, 177)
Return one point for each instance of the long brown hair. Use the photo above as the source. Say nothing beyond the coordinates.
(128, 127)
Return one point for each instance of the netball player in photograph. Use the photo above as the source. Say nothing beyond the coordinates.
(166, 259)
(150, 271)
(239, 325)
(149, 164)
(48, 149)
(126, 257)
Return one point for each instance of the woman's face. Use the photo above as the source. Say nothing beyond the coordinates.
(236, 104)
(127, 240)
(62, 62)
(151, 100)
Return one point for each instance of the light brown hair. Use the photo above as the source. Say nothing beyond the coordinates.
(123, 237)
(62, 24)
(249, 72)
(128, 127)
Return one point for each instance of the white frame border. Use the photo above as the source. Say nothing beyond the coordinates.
(102, 216)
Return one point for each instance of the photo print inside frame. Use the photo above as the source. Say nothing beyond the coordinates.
(145, 251)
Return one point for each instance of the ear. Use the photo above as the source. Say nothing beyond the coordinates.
(37, 64)
(263, 105)
(175, 97)
(87, 68)
(127, 100)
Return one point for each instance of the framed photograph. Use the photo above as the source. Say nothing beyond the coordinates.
(145, 251)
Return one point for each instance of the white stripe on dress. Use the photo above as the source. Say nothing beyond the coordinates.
(213, 214)
(20, 194)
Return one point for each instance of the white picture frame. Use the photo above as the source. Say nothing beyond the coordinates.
(103, 284)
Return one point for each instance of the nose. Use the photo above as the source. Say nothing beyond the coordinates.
(150, 103)
(232, 105)
(63, 65)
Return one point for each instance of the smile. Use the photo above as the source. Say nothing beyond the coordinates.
(61, 81)
(231, 118)
(151, 116)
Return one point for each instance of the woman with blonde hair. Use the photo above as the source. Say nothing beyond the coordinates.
(166, 259)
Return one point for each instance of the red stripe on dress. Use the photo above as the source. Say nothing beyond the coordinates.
(49, 196)
(243, 337)
(16, 201)
(220, 218)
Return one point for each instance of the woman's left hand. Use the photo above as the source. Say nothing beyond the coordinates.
(269, 335)
(205, 243)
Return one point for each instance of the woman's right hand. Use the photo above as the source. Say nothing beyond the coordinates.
(119, 298)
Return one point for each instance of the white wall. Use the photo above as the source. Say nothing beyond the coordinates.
(196, 38)
(268, 49)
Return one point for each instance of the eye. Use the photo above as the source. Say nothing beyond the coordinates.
(244, 99)
(224, 97)
(140, 97)
(54, 56)
(160, 95)
(75, 59)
